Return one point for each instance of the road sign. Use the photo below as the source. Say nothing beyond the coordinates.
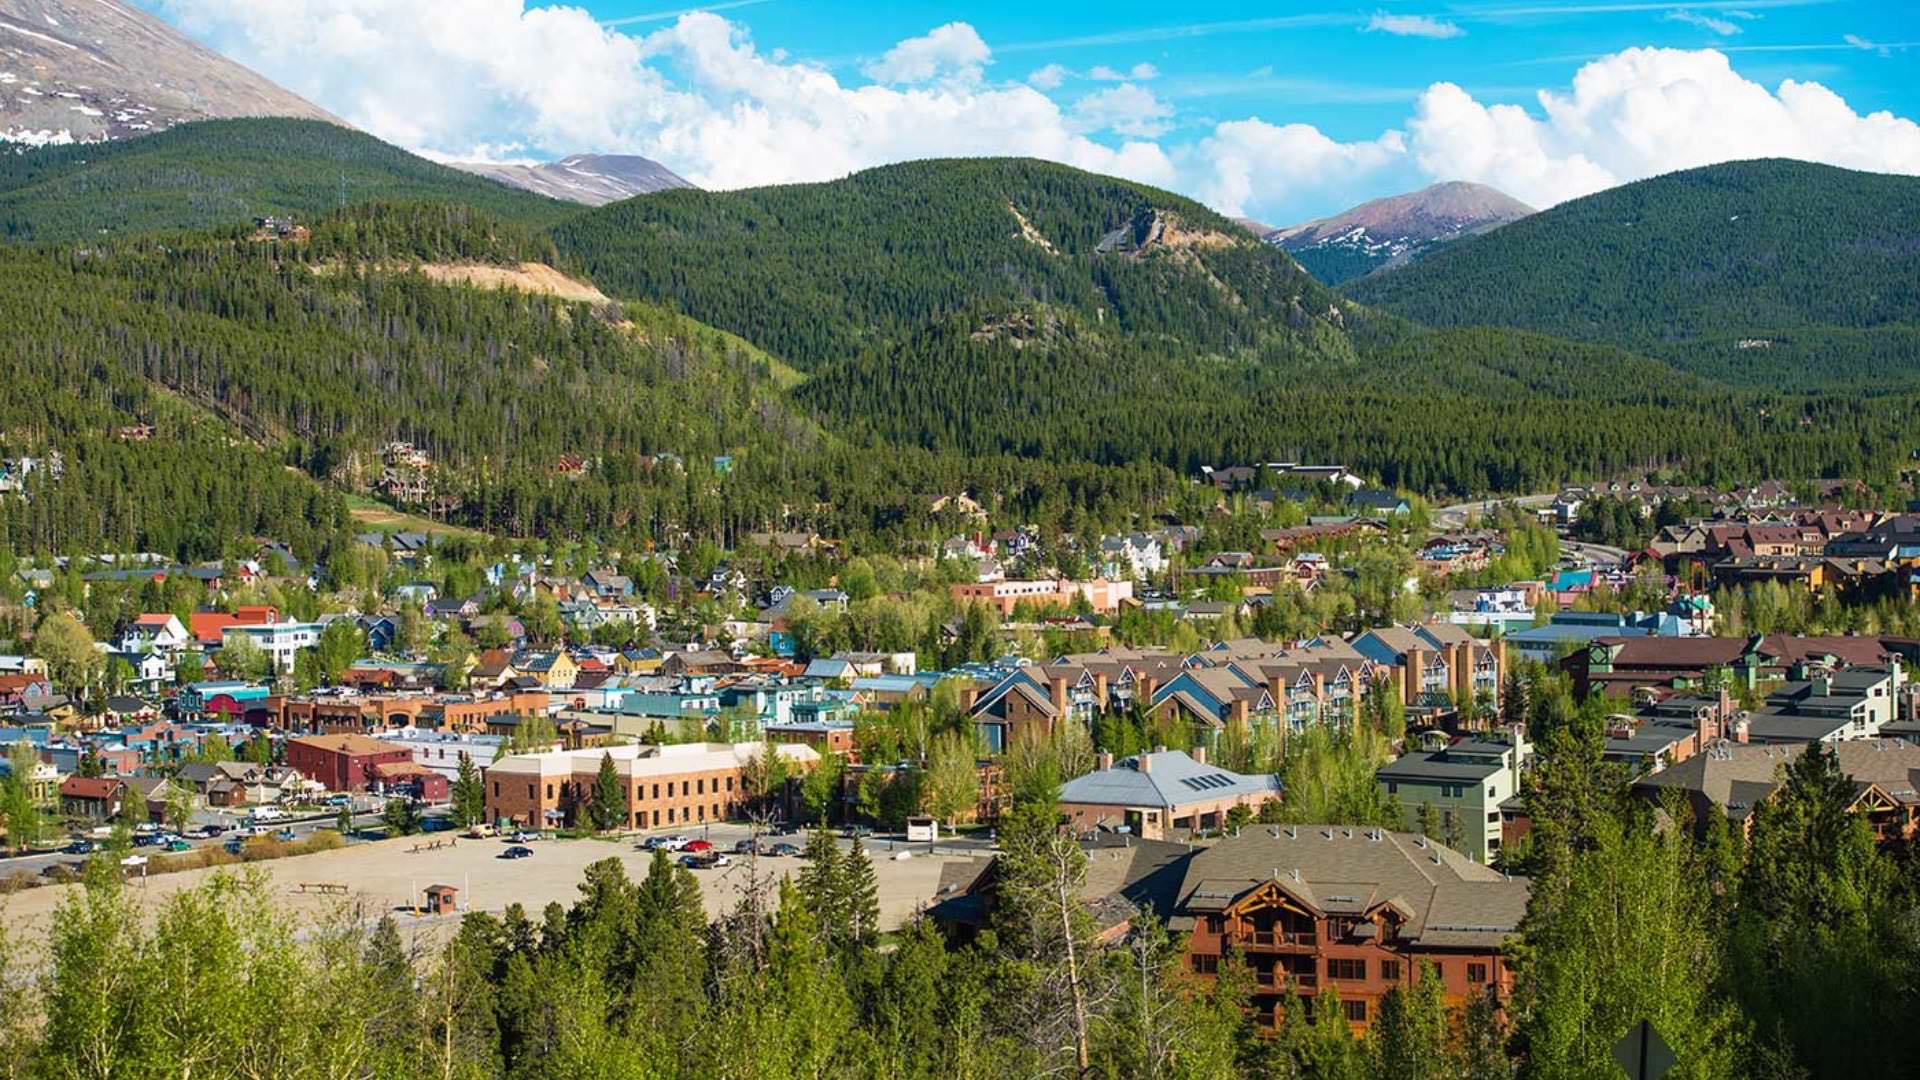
(1643, 1053)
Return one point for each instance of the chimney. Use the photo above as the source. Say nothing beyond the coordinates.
(1412, 674)
(1740, 730)
(1199, 755)
(1060, 696)
(1146, 760)
(1104, 760)
(1100, 689)
(1238, 711)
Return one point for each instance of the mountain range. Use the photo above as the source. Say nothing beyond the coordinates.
(588, 179)
(78, 71)
(1388, 233)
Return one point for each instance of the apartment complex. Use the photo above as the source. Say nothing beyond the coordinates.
(1355, 911)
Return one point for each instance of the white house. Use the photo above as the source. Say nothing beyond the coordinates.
(161, 633)
(280, 641)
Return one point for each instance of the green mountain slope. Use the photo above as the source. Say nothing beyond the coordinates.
(818, 272)
(220, 173)
(1772, 273)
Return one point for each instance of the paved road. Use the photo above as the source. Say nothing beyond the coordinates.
(302, 827)
(1455, 516)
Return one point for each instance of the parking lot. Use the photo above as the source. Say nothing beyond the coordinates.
(391, 875)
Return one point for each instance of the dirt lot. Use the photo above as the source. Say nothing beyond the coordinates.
(390, 876)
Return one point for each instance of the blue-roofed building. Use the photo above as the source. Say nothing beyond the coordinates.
(1163, 794)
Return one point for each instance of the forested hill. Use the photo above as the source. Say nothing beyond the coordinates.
(219, 173)
(819, 272)
(1776, 273)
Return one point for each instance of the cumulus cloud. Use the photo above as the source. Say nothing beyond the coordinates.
(1049, 77)
(1643, 112)
(1249, 164)
(1137, 73)
(462, 79)
(1412, 26)
(1124, 110)
(954, 50)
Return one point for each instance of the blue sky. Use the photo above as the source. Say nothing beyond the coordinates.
(1281, 111)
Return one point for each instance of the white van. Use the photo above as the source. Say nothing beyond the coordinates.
(268, 813)
(922, 830)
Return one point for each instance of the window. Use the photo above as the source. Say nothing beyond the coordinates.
(656, 791)
(703, 812)
(1339, 968)
(549, 791)
(1393, 788)
(669, 815)
(1390, 970)
(496, 789)
(1216, 924)
(700, 787)
(1356, 1011)
(1205, 964)
(530, 793)
(716, 811)
(1476, 973)
(1490, 791)
(669, 789)
(729, 783)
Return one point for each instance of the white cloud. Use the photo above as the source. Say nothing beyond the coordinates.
(1124, 110)
(1250, 164)
(1049, 77)
(1859, 42)
(1643, 112)
(953, 51)
(1412, 26)
(1708, 22)
(1141, 72)
(496, 79)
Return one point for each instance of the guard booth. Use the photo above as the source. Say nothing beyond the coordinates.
(440, 900)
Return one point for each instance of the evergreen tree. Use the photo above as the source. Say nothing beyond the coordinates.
(859, 900)
(608, 807)
(823, 884)
(469, 794)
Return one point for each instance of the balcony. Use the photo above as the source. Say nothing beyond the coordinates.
(1276, 981)
(1275, 939)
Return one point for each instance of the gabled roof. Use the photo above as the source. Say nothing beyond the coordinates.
(1445, 898)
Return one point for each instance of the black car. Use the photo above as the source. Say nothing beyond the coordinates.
(746, 847)
(81, 847)
(787, 850)
(518, 851)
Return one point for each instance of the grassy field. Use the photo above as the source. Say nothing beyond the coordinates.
(379, 517)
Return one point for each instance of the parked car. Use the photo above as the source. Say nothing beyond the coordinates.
(522, 836)
(856, 832)
(697, 846)
(177, 844)
(340, 800)
(285, 836)
(784, 850)
(81, 847)
(147, 839)
(518, 851)
(749, 846)
(210, 831)
(705, 860)
(672, 843)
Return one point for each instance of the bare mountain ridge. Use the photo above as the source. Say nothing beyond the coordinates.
(591, 179)
(75, 71)
(1396, 230)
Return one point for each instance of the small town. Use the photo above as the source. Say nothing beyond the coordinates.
(598, 540)
(1316, 760)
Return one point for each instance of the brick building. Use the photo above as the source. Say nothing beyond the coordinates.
(664, 786)
(344, 762)
(1353, 910)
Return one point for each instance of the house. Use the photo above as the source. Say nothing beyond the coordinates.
(1133, 557)
(1352, 911)
(1102, 596)
(555, 670)
(161, 633)
(92, 798)
(1828, 707)
(1125, 877)
(1378, 503)
(1459, 788)
(281, 641)
(154, 791)
(1161, 794)
(608, 584)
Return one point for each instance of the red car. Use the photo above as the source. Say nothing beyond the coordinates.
(698, 845)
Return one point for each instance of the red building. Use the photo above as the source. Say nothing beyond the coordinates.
(344, 762)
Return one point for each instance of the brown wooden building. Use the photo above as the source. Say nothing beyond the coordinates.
(1355, 911)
